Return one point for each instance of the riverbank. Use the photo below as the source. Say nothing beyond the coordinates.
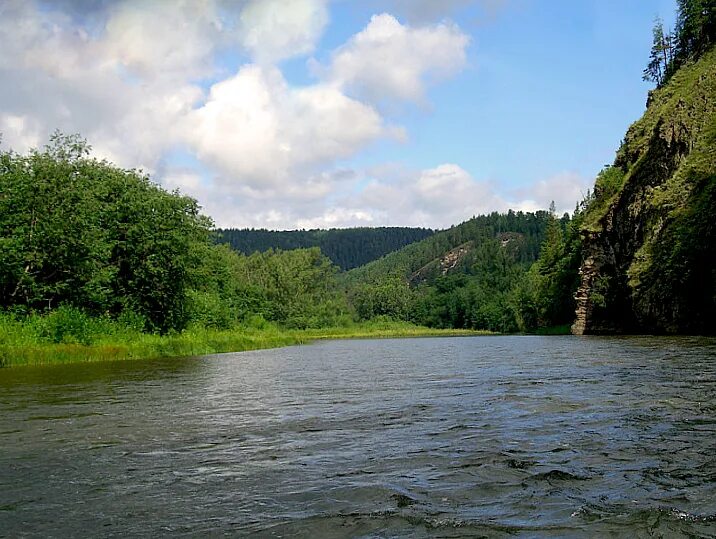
(26, 344)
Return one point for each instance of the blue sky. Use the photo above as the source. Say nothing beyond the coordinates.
(316, 113)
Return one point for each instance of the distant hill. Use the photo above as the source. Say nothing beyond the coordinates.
(347, 248)
(465, 277)
(518, 234)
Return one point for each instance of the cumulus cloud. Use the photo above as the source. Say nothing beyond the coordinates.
(389, 60)
(385, 195)
(162, 39)
(23, 131)
(256, 128)
(436, 197)
(278, 29)
(63, 77)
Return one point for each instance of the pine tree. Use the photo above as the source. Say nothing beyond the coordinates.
(662, 52)
(695, 27)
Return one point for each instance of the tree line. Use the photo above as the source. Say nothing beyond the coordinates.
(347, 248)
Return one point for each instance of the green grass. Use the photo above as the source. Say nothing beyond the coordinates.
(73, 337)
(383, 329)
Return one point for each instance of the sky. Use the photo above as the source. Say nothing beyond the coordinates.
(292, 114)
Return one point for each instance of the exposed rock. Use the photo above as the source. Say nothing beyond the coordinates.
(441, 266)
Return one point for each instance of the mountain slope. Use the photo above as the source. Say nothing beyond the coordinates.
(649, 238)
(517, 232)
(464, 277)
(347, 248)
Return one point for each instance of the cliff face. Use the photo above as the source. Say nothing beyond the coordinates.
(649, 235)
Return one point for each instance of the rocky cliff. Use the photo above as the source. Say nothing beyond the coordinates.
(649, 234)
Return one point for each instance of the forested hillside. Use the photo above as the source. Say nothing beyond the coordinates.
(485, 273)
(347, 248)
(523, 232)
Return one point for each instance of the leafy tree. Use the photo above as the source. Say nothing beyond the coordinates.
(390, 298)
(294, 288)
(82, 232)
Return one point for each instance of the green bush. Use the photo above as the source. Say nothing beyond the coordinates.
(209, 309)
(67, 325)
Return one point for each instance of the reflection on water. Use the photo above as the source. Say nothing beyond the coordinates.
(484, 436)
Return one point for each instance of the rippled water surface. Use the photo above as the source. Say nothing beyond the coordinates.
(460, 437)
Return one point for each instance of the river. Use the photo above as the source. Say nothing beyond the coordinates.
(434, 437)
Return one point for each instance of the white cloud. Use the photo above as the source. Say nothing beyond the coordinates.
(565, 189)
(64, 78)
(277, 29)
(387, 195)
(436, 197)
(168, 40)
(186, 181)
(21, 130)
(388, 60)
(261, 132)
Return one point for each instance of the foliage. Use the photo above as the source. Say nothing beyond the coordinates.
(82, 232)
(463, 277)
(695, 29)
(662, 54)
(544, 298)
(23, 340)
(649, 223)
(521, 232)
(674, 275)
(346, 248)
(390, 298)
(83, 239)
(294, 288)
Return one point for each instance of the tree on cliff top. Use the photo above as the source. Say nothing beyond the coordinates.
(662, 51)
(694, 35)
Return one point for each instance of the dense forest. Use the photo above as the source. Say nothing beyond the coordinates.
(347, 248)
(78, 233)
(501, 272)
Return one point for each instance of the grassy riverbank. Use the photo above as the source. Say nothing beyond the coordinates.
(45, 340)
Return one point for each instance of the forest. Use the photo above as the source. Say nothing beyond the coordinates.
(347, 248)
(500, 272)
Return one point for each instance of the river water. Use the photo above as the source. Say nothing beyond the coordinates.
(436, 437)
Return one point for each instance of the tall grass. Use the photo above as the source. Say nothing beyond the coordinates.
(69, 335)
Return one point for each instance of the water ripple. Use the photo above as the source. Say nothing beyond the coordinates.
(478, 437)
